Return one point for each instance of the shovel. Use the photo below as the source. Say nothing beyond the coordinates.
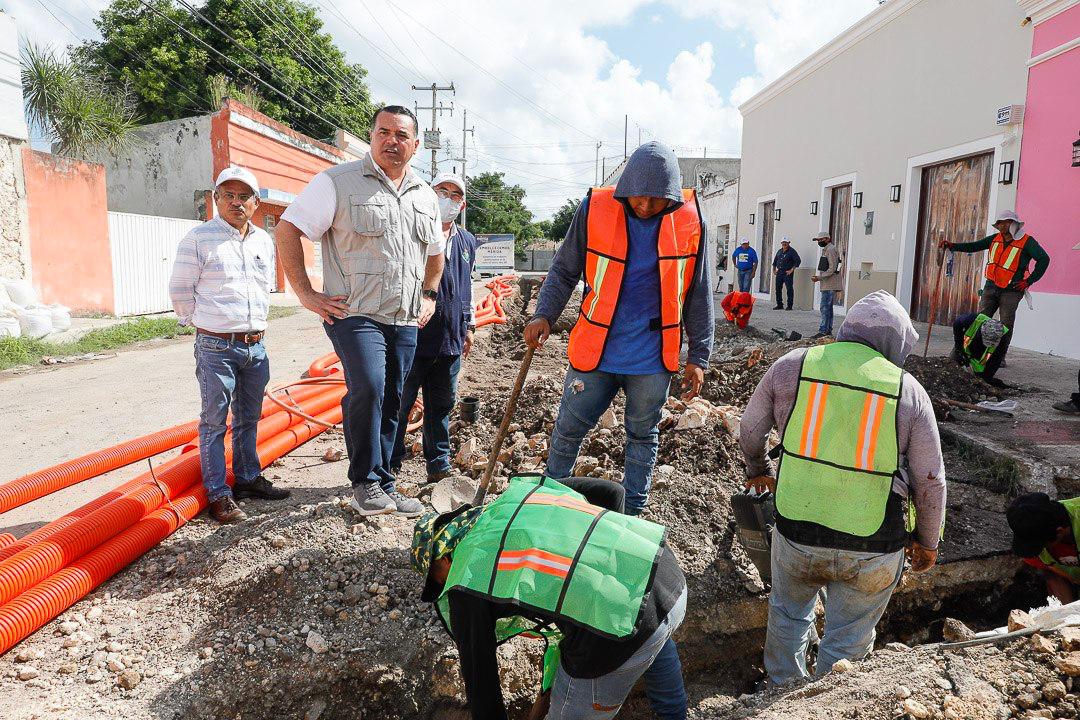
(453, 492)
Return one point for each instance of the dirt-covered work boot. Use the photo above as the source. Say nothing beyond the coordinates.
(370, 499)
(226, 511)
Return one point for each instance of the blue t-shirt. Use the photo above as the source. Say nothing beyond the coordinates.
(634, 341)
(745, 259)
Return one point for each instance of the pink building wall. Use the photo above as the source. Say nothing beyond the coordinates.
(1048, 187)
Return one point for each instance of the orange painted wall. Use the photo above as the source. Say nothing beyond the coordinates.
(70, 259)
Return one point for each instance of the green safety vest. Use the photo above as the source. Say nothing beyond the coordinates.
(840, 449)
(1072, 572)
(544, 549)
(978, 364)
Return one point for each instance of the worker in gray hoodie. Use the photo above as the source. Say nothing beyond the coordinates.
(640, 248)
(859, 441)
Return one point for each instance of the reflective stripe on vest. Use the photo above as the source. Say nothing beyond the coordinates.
(1001, 270)
(542, 547)
(835, 472)
(605, 266)
(1071, 572)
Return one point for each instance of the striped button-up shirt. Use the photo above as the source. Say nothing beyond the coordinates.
(221, 281)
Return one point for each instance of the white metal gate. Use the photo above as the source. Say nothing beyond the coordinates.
(143, 251)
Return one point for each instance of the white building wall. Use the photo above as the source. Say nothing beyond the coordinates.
(914, 83)
(160, 174)
(719, 210)
(14, 224)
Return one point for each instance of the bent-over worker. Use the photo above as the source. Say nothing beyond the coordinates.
(979, 343)
(1045, 535)
(858, 437)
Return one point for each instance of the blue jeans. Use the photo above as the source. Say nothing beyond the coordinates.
(229, 373)
(827, 297)
(376, 358)
(858, 584)
(437, 377)
(602, 697)
(585, 398)
(745, 276)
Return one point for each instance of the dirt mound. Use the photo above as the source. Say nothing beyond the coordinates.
(944, 380)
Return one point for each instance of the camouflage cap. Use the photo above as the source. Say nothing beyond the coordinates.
(435, 535)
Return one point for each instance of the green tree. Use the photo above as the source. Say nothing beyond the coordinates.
(495, 207)
(560, 221)
(170, 72)
(77, 110)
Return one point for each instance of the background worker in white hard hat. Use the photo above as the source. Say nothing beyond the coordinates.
(445, 341)
(220, 285)
(1007, 276)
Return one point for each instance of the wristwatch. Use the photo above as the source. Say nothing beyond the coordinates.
(429, 294)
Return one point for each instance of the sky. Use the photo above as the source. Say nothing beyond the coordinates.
(544, 81)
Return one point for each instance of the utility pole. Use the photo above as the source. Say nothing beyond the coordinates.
(596, 165)
(464, 177)
(625, 127)
(436, 110)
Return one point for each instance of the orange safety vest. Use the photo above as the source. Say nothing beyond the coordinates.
(1004, 260)
(605, 264)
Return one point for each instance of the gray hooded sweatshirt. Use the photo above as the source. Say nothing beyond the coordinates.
(879, 321)
(652, 171)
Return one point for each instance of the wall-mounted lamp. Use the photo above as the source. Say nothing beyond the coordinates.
(751, 218)
(776, 215)
(813, 203)
(856, 200)
(894, 193)
(1005, 172)
(1076, 153)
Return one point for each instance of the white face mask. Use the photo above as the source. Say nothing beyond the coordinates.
(448, 209)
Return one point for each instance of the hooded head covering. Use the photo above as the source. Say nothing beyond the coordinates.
(1016, 223)
(436, 536)
(880, 321)
(652, 171)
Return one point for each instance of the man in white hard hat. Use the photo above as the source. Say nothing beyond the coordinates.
(1006, 273)
(445, 341)
(220, 285)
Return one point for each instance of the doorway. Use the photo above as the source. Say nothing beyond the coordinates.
(953, 205)
(766, 252)
(840, 230)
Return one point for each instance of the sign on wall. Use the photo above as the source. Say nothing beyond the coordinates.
(495, 255)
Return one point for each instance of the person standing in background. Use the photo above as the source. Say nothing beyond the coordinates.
(784, 264)
(746, 262)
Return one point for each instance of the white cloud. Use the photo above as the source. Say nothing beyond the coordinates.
(559, 87)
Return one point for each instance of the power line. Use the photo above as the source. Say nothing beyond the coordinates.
(392, 42)
(386, 56)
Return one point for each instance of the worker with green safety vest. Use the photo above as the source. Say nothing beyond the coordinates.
(979, 343)
(601, 588)
(1045, 535)
(858, 442)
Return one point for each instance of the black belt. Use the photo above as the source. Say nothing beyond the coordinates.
(823, 537)
(248, 338)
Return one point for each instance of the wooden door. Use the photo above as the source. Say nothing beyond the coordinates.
(768, 210)
(840, 229)
(953, 205)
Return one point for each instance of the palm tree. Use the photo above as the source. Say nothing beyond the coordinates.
(78, 111)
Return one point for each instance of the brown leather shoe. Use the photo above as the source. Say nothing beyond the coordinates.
(437, 476)
(226, 511)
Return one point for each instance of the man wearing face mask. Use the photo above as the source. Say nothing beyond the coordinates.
(445, 341)
(641, 249)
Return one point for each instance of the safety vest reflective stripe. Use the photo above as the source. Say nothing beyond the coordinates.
(1001, 271)
(1010, 259)
(563, 501)
(535, 559)
(869, 426)
(815, 416)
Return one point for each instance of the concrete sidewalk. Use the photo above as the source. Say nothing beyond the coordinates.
(1043, 439)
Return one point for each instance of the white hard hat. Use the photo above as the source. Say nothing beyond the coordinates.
(235, 172)
(449, 178)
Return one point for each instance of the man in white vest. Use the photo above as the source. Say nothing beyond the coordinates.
(382, 258)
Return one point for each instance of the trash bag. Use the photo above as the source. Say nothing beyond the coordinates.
(20, 292)
(36, 321)
(9, 326)
(61, 317)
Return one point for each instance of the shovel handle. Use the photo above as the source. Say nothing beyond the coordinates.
(508, 415)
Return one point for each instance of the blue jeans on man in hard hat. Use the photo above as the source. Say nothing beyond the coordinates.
(585, 398)
(858, 586)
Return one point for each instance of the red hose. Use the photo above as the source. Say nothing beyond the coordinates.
(321, 366)
(6, 539)
(43, 602)
(43, 558)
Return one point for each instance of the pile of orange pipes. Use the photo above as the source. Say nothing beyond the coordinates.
(53, 567)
